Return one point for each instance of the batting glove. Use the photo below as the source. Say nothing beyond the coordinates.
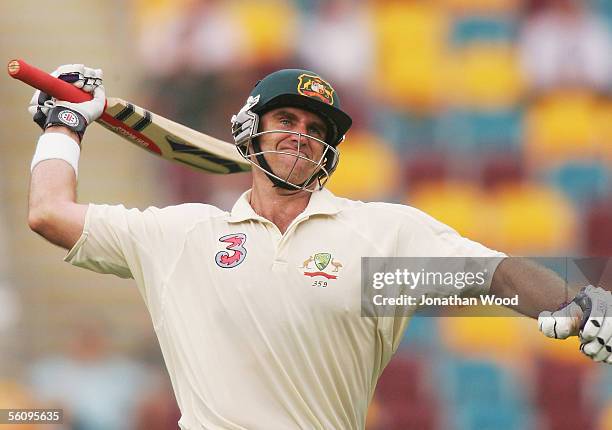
(589, 316)
(47, 111)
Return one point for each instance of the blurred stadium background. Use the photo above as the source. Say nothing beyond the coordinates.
(495, 116)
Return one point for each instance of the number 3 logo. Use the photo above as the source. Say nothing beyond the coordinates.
(228, 260)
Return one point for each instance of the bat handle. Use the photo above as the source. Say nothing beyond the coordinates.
(43, 81)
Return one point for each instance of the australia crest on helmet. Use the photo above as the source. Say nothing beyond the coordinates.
(315, 87)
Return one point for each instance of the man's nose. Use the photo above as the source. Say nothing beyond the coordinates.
(301, 138)
(301, 128)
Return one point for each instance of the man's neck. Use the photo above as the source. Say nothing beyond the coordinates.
(278, 205)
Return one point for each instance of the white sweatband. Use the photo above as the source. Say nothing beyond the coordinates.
(57, 146)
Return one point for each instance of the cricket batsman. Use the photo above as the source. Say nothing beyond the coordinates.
(257, 310)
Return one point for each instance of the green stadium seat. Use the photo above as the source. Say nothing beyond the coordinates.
(582, 181)
(475, 28)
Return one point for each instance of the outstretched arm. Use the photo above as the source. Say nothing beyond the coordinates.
(538, 288)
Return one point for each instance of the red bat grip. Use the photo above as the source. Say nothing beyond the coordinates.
(43, 81)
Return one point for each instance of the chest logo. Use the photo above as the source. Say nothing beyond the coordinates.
(237, 252)
(324, 265)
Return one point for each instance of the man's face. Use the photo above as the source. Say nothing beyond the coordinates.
(286, 166)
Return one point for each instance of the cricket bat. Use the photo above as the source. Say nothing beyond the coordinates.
(156, 134)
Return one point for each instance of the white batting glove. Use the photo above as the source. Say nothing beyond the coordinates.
(85, 78)
(594, 325)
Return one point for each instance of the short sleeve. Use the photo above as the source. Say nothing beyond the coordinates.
(101, 247)
(131, 243)
(432, 246)
(423, 236)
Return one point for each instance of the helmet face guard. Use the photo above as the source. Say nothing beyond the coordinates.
(244, 129)
(291, 88)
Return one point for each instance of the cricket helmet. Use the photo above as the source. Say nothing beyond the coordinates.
(292, 88)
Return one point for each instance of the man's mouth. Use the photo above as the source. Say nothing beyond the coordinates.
(293, 148)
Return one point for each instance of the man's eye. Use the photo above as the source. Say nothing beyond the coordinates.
(313, 131)
(285, 122)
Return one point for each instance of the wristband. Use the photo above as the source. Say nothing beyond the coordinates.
(57, 146)
(60, 115)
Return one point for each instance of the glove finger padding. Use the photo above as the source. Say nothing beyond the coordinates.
(597, 332)
(39, 107)
(599, 319)
(591, 348)
(562, 323)
(597, 351)
(85, 78)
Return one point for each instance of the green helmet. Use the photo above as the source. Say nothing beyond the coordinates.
(292, 88)
(306, 90)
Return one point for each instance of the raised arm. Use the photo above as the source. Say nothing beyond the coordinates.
(53, 211)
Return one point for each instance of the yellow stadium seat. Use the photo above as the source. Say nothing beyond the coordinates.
(493, 337)
(462, 206)
(368, 168)
(566, 350)
(272, 26)
(517, 219)
(534, 219)
(410, 43)
(561, 127)
(507, 340)
(486, 75)
(604, 127)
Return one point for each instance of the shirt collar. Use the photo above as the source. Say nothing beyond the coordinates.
(322, 202)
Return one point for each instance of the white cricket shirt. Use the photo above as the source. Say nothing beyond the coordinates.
(262, 330)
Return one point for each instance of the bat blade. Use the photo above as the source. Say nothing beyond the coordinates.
(159, 135)
(171, 140)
